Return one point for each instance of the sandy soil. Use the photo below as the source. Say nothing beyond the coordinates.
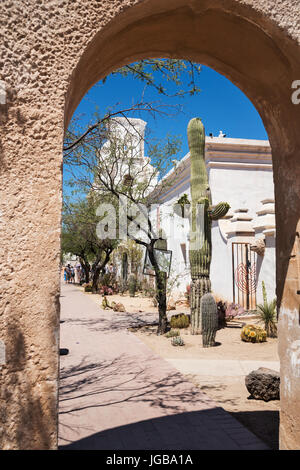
(135, 304)
(225, 387)
(229, 346)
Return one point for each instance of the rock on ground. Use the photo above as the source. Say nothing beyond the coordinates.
(263, 384)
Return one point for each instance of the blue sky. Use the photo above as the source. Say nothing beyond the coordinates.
(220, 105)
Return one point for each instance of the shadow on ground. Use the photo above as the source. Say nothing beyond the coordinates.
(121, 380)
(264, 424)
(129, 381)
(198, 430)
(120, 321)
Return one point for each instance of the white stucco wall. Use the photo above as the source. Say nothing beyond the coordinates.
(241, 188)
(267, 271)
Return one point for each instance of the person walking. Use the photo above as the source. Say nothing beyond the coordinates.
(72, 273)
(65, 274)
(77, 274)
(68, 271)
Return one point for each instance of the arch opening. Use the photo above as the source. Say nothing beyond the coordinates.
(254, 54)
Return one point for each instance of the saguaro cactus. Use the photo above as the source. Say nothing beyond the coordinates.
(209, 319)
(201, 216)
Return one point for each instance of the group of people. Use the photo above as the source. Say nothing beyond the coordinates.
(76, 274)
(73, 274)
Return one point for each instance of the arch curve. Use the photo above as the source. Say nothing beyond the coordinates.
(240, 40)
(52, 54)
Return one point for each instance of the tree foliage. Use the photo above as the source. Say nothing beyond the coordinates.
(79, 236)
(99, 162)
(161, 73)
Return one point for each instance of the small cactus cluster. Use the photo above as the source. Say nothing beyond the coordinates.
(87, 287)
(179, 321)
(117, 307)
(172, 333)
(209, 318)
(253, 334)
(177, 341)
(202, 215)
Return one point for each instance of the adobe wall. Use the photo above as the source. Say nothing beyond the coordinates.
(51, 53)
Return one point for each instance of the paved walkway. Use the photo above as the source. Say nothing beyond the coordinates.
(117, 394)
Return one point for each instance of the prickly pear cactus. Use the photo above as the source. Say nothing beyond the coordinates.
(209, 318)
(177, 341)
(202, 214)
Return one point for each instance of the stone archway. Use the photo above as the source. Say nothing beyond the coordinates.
(52, 53)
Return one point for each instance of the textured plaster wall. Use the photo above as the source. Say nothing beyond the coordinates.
(241, 188)
(50, 54)
(267, 271)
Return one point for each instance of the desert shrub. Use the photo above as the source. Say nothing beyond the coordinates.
(148, 290)
(132, 284)
(172, 333)
(180, 321)
(123, 287)
(115, 287)
(233, 310)
(139, 286)
(267, 313)
(177, 341)
(106, 280)
(105, 305)
(221, 306)
(108, 285)
(253, 334)
(117, 307)
(106, 290)
(88, 288)
(188, 293)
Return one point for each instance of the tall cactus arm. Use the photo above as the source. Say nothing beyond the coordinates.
(196, 141)
(219, 211)
(200, 232)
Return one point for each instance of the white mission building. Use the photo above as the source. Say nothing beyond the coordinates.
(243, 243)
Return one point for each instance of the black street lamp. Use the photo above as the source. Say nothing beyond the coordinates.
(163, 258)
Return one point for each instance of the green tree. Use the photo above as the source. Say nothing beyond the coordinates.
(114, 172)
(165, 77)
(79, 237)
(116, 175)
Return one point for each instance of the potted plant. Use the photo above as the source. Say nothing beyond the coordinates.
(183, 202)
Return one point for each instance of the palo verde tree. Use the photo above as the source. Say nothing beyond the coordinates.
(112, 167)
(166, 78)
(117, 172)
